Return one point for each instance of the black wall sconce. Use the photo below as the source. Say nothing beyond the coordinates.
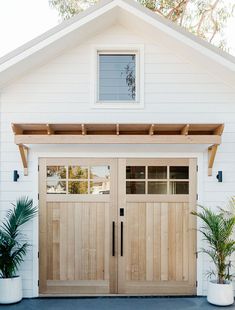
(220, 176)
(15, 176)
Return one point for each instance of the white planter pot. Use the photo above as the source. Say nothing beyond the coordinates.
(220, 294)
(10, 290)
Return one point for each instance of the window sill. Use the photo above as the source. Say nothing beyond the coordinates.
(119, 105)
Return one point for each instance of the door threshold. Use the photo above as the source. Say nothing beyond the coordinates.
(111, 295)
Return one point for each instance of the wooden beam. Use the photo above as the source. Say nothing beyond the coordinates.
(84, 131)
(211, 157)
(24, 157)
(16, 129)
(117, 129)
(219, 130)
(114, 139)
(184, 130)
(50, 131)
(151, 130)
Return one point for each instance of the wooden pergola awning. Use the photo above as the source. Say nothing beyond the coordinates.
(209, 134)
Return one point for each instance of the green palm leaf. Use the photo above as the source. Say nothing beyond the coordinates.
(217, 229)
(12, 249)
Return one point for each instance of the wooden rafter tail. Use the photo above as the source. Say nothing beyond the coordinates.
(185, 130)
(219, 130)
(211, 157)
(151, 130)
(117, 129)
(84, 131)
(50, 131)
(24, 150)
(16, 129)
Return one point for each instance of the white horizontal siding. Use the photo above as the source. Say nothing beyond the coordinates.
(176, 91)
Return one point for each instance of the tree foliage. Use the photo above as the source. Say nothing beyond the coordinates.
(204, 18)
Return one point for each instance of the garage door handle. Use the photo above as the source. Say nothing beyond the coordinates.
(121, 238)
(113, 238)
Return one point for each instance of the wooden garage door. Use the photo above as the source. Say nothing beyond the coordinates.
(111, 226)
(157, 240)
(78, 204)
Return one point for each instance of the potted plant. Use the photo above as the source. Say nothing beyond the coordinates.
(217, 229)
(13, 248)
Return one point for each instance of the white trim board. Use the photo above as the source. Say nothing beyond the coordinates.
(138, 49)
(34, 166)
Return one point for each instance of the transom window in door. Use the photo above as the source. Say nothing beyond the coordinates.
(117, 77)
(158, 180)
(80, 180)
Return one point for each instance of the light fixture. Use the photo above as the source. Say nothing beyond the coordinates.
(220, 176)
(15, 176)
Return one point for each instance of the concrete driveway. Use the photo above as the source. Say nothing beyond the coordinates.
(114, 303)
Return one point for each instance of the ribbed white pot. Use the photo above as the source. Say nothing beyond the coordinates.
(220, 294)
(10, 290)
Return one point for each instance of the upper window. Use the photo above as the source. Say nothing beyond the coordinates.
(117, 77)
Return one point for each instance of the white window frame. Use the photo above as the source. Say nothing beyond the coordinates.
(138, 50)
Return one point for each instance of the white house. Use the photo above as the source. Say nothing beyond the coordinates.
(117, 121)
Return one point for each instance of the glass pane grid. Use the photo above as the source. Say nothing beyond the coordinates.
(159, 180)
(78, 179)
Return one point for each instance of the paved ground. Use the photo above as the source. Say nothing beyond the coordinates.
(114, 303)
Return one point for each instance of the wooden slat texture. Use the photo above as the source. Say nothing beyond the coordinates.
(157, 241)
(171, 208)
(76, 248)
(159, 237)
(160, 252)
(77, 236)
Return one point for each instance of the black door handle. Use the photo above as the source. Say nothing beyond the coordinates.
(113, 239)
(121, 238)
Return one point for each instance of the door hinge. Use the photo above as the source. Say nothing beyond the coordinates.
(197, 197)
(38, 196)
(38, 282)
(196, 255)
(38, 167)
(38, 254)
(197, 168)
(196, 284)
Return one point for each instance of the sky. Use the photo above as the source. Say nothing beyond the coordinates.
(23, 20)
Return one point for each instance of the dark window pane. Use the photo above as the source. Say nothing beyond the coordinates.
(135, 172)
(55, 187)
(157, 187)
(179, 172)
(99, 187)
(78, 172)
(78, 187)
(179, 188)
(117, 77)
(56, 172)
(135, 187)
(157, 172)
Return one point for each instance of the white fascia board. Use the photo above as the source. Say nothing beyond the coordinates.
(56, 36)
(182, 37)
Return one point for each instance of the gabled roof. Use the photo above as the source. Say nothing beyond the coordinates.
(106, 12)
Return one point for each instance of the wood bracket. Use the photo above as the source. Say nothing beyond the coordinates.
(211, 157)
(24, 150)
